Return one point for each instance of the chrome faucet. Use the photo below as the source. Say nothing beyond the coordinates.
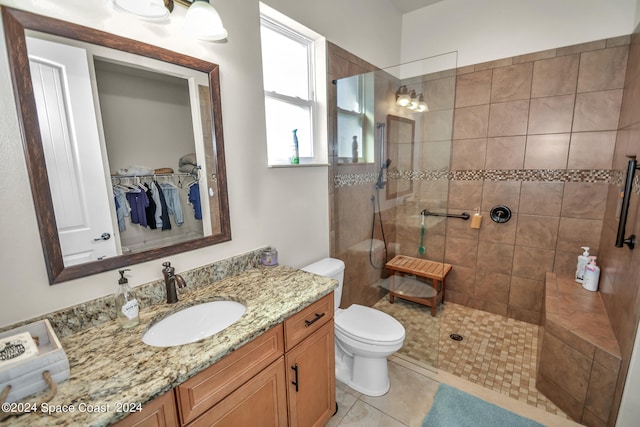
(171, 280)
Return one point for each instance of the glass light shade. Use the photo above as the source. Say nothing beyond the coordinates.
(422, 106)
(203, 22)
(413, 104)
(402, 96)
(150, 10)
(403, 100)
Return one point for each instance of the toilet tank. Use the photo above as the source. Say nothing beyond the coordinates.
(332, 268)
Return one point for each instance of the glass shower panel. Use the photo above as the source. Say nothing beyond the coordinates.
(378, 199)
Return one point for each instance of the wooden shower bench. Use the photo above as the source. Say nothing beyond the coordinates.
(418, 292)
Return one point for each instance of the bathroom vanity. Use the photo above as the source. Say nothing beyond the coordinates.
(274, 366)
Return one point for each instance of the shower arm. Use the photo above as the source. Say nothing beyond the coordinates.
(463, 216)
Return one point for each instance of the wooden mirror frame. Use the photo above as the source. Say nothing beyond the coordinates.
(15, 23)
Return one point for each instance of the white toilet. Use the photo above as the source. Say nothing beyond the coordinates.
(365, 337)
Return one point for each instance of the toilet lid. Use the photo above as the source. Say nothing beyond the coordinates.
(368, 324)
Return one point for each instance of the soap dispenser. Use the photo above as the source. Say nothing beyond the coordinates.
(126, 303)
(591, 276)
(583, 260)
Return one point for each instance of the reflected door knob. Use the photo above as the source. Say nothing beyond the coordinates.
(104, 236)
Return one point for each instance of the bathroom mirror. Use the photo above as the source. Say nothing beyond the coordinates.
(199, 161)
(400, 140)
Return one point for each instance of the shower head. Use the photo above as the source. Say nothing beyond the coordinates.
(380, 183)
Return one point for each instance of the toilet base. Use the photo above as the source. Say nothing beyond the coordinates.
(367, 375)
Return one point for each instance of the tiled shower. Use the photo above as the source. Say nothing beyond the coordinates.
(545, 134)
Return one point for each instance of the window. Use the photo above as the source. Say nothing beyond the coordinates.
(355, 119)
(350, 119)
(291, 89)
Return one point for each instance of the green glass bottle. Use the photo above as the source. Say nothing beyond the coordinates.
(295, 154)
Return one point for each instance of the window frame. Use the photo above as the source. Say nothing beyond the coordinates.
(316, 105)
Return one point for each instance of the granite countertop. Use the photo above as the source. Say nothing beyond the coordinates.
(111, 366)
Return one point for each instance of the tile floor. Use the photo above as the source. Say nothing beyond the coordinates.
(495, 361)
(411, 395)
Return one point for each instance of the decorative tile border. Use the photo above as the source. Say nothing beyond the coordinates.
(614, 177)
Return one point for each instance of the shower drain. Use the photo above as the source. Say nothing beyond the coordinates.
(456, 337)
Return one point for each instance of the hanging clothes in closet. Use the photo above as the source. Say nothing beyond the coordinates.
(172, 199)
(194, 199)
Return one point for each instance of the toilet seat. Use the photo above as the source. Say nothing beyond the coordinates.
(368, 325)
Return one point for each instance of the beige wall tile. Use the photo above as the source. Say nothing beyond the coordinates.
(471, 122)
(511, 83)
(551, 114)
(505, 152)
(473, 89)
(547, 151)
(461, 252)
(585, 200)
(596, 111)
(437, 125)
(555, 76)
(492, 286)
(508, 118)
(461, 279)
(498, 233)
(468, 154)
(592, 150)
(574, 233)
(526, 293)
(541, 198)
(500, 193)
(602, 69)
(465, 194)
(537, 231)
(495, 257)
(568, 368)
(532, 263)
(602, 385)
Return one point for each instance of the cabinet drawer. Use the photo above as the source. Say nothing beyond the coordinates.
(304, 323)
(160, 412)
(261, 402)
(210, 386)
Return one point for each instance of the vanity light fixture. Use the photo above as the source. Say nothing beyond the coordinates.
(402, 96)
(148, 10)
(203, 22)
(411, 100)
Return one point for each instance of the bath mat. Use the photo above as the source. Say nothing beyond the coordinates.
(455, 408)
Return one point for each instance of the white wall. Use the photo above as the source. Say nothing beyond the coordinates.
(492, 29)
(283, 207)
(370, 29)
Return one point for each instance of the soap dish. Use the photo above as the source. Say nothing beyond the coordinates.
(26, 377)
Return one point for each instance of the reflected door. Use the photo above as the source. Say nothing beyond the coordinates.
(66, 113)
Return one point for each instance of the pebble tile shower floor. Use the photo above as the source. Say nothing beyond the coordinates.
(496, 352)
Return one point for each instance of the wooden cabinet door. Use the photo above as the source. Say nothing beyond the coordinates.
(311, 379)
(260, 402)
(160, 412)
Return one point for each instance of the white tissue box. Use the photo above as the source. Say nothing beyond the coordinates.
(25, 375)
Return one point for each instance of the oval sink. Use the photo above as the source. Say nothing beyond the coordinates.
(194, 323)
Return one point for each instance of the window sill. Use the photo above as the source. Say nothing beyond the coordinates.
(302, 165)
